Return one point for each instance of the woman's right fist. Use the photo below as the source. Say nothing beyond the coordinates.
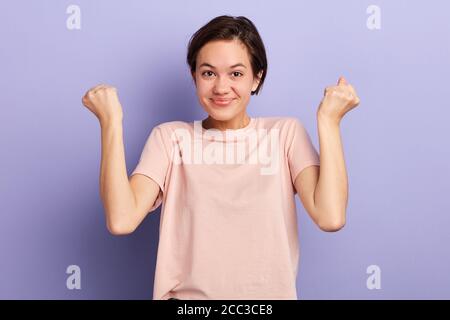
(103, 101)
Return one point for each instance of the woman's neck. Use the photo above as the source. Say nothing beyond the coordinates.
(233, 124)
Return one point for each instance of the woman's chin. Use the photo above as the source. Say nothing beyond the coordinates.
(221, 115)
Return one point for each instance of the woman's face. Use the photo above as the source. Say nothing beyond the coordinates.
(224, 73)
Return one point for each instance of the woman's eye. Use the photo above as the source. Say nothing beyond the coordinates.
(206, 72)
(238, 73)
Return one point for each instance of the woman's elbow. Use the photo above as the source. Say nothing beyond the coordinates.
(332, 225)
(119, 229)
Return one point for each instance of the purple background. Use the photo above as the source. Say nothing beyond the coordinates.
(396, 142)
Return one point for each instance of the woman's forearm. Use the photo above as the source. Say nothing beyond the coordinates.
(331, 192)
(115, 190)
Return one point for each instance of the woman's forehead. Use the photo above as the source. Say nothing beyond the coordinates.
(223, 54)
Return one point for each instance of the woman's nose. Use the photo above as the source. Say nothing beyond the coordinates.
(221, 85)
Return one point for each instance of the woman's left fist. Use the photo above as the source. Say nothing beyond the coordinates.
(338, 100)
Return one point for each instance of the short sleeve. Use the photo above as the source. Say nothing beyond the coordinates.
(154, 162)
(301, 152)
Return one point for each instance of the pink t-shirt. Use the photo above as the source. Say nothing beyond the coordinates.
(228, 227)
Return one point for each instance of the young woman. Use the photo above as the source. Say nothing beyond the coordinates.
(228, 226)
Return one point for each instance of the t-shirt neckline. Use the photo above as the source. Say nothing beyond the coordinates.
(213, 134)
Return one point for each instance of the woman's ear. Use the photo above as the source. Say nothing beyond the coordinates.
(193, 76)
(257, 80)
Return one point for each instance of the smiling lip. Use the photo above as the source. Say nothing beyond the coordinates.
(222, 102)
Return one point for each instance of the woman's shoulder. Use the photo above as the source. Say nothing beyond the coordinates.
(172, 125)
(280, 121)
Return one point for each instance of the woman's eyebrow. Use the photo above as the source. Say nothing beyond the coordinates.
(211, 66)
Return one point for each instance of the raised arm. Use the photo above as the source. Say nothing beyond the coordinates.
(126, 202)
(324, 190)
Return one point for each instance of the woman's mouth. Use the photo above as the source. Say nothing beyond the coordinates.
(222, 102)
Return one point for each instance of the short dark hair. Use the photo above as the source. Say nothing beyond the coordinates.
(230, 28)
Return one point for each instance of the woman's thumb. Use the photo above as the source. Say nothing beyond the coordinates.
(341, 81)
